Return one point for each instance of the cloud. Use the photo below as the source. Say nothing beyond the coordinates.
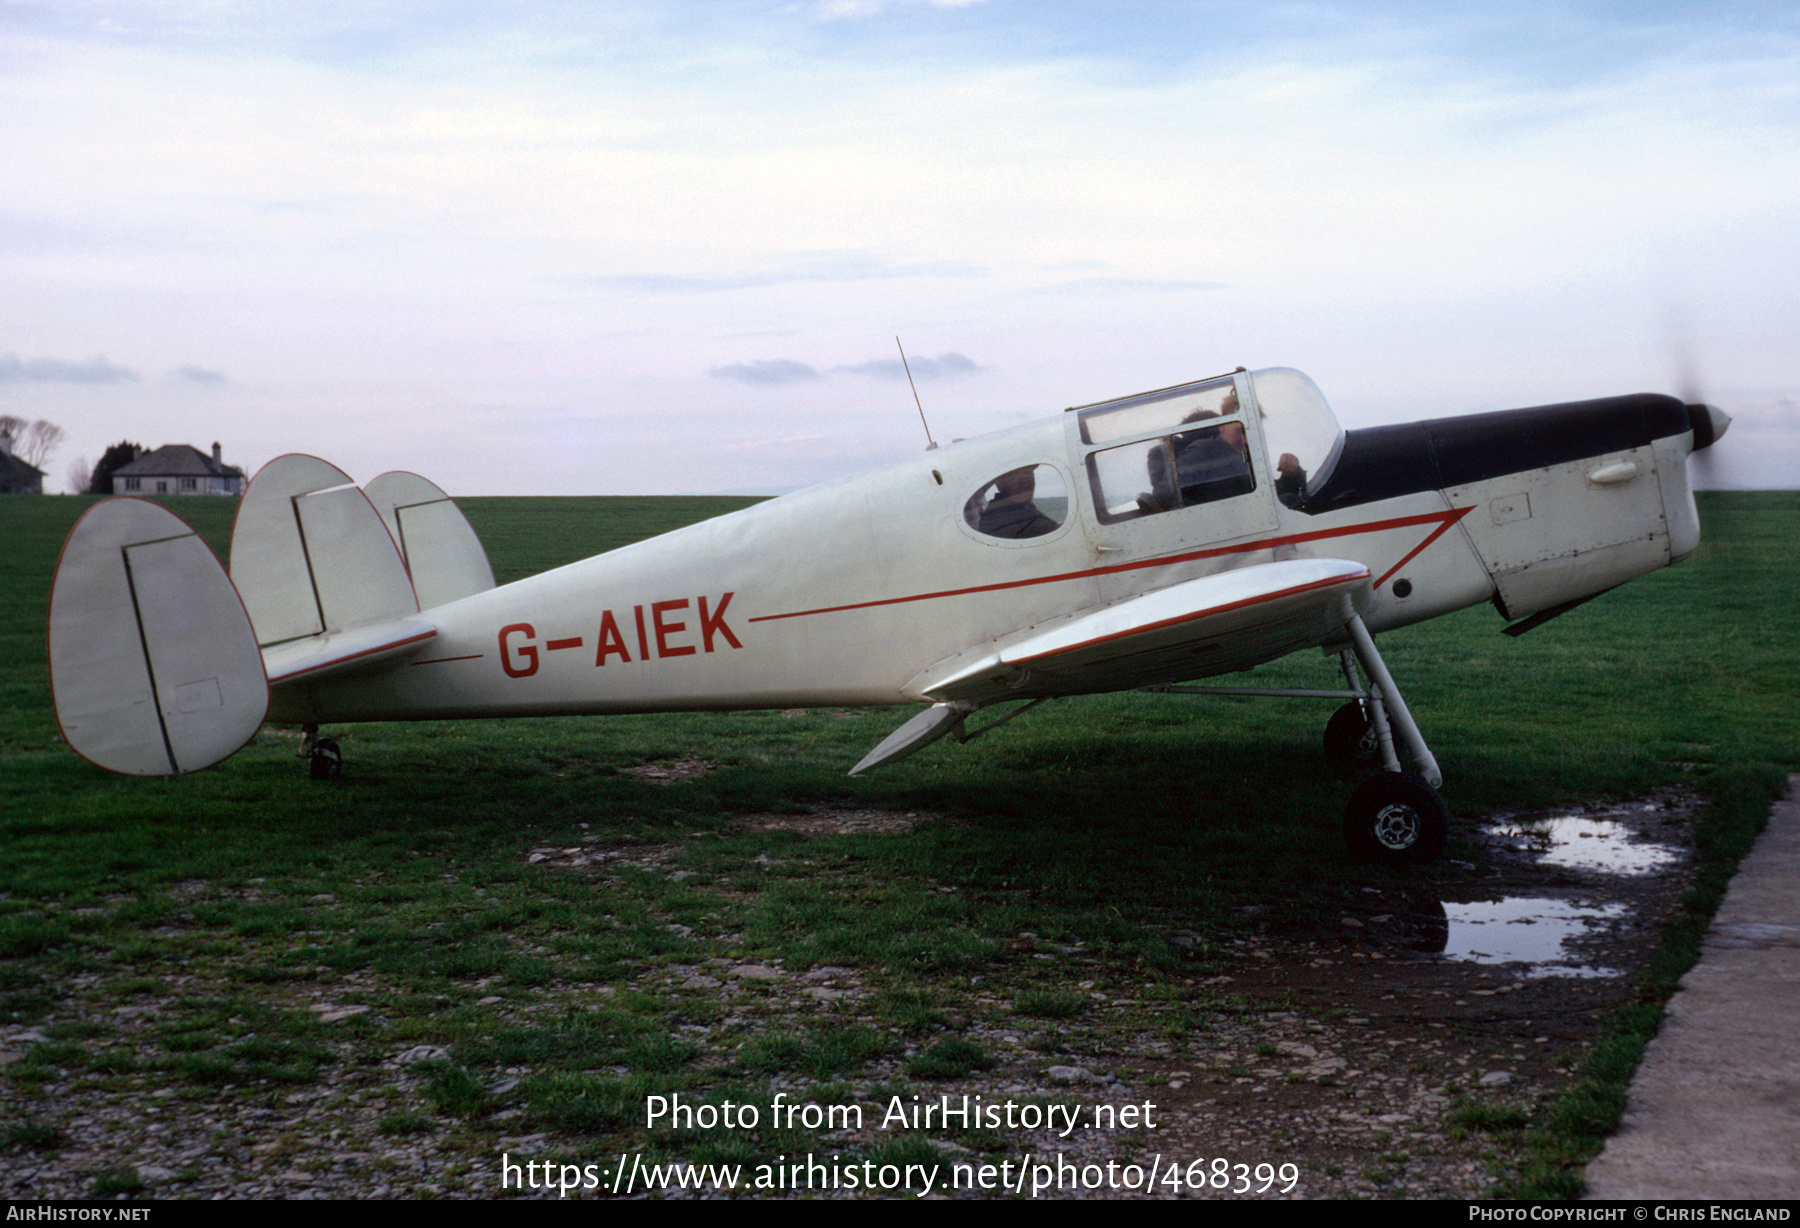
(766, 371)
(14, 369)
(1127, 285)
(199, 375)
(841, 10)
(806, 267)
(944, 366)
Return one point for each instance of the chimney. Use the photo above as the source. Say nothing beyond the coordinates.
(216, 458)
(5, 443)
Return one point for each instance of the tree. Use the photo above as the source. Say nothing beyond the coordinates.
(117, 457)
(80, 476)
(32, 442)
(41, 440)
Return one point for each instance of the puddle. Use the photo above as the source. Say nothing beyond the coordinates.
(1523, 930)
(1540, 930)
(1584, 842)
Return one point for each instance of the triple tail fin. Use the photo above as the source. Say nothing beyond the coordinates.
(160, 663)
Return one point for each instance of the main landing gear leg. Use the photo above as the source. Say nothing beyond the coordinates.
(324, 761)
(1394, 818)
(1388, 703)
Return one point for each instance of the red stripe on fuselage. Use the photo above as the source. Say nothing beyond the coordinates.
(1443, 520)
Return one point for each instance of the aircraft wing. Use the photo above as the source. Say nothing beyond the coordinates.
(1214, 625)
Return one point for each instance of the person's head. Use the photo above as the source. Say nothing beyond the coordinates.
(1016, 486)
(1233, 434)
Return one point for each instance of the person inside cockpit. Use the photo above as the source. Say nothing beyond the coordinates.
(1010, 512)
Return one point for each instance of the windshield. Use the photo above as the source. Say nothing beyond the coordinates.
(1300, 431)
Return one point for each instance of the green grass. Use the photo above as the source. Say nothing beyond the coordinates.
(1049, 1004)
(1091, 824)
(112, 1182)
(948, 1059)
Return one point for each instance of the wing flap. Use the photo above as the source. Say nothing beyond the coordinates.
(918, 733)
(1214, 625)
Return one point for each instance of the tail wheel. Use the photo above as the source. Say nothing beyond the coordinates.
(1350, 737)
(326, 761)
(1396, 820)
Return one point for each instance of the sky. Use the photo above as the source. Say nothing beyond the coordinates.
(621, 248)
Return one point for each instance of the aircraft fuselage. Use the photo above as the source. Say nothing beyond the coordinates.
(867, 590)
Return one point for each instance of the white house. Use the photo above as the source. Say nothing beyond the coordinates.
(178, 469)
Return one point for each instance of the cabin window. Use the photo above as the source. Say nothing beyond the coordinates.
(1158, 411)
(1183, 469)
(1030, 501)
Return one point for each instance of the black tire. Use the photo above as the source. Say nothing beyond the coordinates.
(1397, 820)
(326, 762)
(1350, 737)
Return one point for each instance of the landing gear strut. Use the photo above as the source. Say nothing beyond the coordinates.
(1395, 817)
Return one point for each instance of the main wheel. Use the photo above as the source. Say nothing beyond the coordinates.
(1397, 820)
(1350, 737)
(326, 761)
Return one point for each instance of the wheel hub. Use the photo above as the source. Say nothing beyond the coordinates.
(1397, 827)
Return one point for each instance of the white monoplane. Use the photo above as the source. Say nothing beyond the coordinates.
(1135, 543)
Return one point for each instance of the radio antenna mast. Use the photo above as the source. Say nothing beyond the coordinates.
(930, 443)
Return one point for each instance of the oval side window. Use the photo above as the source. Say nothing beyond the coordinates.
(1026, 502)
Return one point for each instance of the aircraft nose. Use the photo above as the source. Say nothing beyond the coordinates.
(1709, 422)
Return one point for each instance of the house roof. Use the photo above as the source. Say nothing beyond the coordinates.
(15, 467)
(177, 460)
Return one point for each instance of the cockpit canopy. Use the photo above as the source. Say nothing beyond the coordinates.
(1194, 443)
(1209, 443)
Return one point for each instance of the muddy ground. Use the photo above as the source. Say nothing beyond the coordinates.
(1389, 1068)
(1391, 1052)
(1388, 1051)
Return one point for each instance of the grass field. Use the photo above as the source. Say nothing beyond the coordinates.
(224, 903)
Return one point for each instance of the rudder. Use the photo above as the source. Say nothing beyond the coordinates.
(442, 553)
(309, 553)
